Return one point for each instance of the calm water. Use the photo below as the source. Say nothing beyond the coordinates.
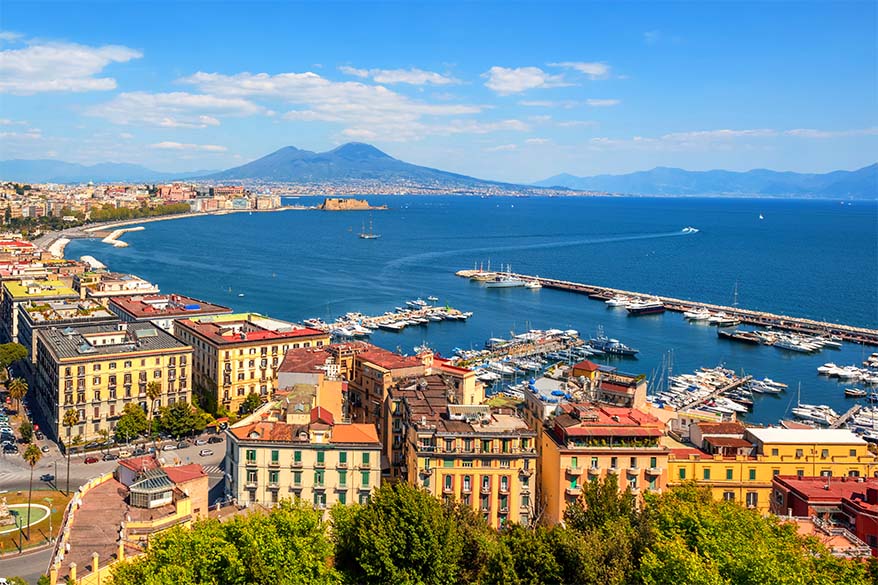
(816, 259)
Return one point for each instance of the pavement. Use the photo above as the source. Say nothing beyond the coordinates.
(28, 566)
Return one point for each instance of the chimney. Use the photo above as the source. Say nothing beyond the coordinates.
(872, 495)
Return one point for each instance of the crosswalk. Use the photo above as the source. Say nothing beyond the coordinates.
(213, 470)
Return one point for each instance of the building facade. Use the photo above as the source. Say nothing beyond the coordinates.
(283, 453)
(236, 354)
(98, 370)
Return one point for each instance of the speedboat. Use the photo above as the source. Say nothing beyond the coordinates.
(618, 301)
(432, 298)
(533, 284)
(701, 314)
(855, 393)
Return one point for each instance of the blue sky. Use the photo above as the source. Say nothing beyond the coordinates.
(511, 91)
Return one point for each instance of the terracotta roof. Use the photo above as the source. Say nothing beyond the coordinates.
(387, 359)
(267, 431)
(184, 473)
(587, 366)
(727, 442)
(354, 433)
(723, 428)
(321, 415)
(220, 331)
(155, 306)
(822, 489)
(138, 464)
(304, 360)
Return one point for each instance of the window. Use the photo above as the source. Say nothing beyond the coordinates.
(774, 452)
(614, 463)
(342, 498)
(682, 473)
(343, 457)
(594, 462)
(297, 456)
(752, 475)
(799, 453)
(275, 456)
(730, 474)
(729, 496)
(486, 482)
(364, 478)
(574, 462)
(366, 459)
(706, 473)
(775, 472)
(318, 477)
(273, 477)
(251, 476)
(652, 462)
(853, 452)
(504, 483)
(752, 499)
(297, 478)
(449, 482)
(853, 473)
(824, 453)
(825, 473)
(448, 463)
(251, 455)
(800, 472)
(342, 478)
(321, 458)
(467, 483)
(320, 499)
(486, 446)
(449, 444)
(633, 463)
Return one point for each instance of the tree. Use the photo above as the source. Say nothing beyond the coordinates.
(17, 391)
(403, 535)
(26, 429)
(32, 454)
(251, 403)
(104, 434)
(180, 419)
(71, 419)
(131, 424)
(11, 353)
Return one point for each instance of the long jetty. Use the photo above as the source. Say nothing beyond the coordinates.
(718, 392)
(860, 335)
(846, 416)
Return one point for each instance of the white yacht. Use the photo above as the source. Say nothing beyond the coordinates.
(618, 301)
(701, 314)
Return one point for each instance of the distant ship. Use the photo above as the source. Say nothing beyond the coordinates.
(689, 230)
(647, 307)
(370, 235)
(761, 216)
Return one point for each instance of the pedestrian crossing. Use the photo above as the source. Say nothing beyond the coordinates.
(213, 470)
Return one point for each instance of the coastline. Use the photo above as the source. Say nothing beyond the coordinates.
(56, 242)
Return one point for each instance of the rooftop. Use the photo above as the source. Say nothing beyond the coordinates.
(49, 311)
(172, 305)
(30, 289)
(184, 473)
(823, 489)
(235, 328)
(805, 436)
(99, 340)
(721, 428)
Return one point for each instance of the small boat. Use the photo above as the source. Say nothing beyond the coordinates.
(370, 235)
(504, 280)
(240, 294)
(701, 314)
(432, 298)
(761, 216)
(855, 393)
(689, 230)
(618, 301)
(533, 284)
(739, 335)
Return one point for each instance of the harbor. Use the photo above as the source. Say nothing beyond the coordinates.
(656, 304)
(417, 312)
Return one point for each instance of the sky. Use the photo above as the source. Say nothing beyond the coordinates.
(511, 91)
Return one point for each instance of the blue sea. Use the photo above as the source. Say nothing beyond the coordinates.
(815, 259)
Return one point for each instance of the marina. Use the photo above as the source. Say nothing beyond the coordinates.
(732, 315)
(415, 313)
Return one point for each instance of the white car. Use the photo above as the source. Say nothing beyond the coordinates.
(169, 447)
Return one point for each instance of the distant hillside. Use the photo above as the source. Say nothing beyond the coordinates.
(351, 161)
(56, 171)
(860, 184)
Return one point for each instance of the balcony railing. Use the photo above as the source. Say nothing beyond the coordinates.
(573, 491)
(571, 470)
(653, 470)
(297, 464)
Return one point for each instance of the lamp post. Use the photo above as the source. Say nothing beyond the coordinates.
(49, 501)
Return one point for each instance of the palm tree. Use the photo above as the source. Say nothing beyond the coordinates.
(17, 391)
(31, 455)
(71, 418)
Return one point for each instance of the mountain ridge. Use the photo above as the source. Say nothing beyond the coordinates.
(860, 183)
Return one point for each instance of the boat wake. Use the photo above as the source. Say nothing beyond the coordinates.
(424, 257)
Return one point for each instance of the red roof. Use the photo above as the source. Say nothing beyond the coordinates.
(582, 431)
(727, 442)
(587, 366)
(221, 334)
(184, 473)
(354, 433)
(304, 360)
(320, 414)
(138, 464)
(823, 489)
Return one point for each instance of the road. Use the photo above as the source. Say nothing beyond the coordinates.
(28, 566)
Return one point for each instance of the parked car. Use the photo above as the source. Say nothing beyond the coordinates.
(200, 442)
(124, 453)
(170, 447)
(93, 445)
(44, 448)
(183, 445)
(91, 459)
(215, 440)
(47, 477)
(11, 448)
(39, 435)
(110, 457)
(206, 452)
(138, 452)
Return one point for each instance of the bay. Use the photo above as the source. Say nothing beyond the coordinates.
(816, 259)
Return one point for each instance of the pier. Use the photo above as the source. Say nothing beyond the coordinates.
(360, 325)
(759, 318)
(851, 413)
(718, 392)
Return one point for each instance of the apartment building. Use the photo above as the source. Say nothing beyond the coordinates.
(588, 441)
(103, 286)
(287, 451)
(239, 353)
(97, 370)
(19, 292)
(162, 310)
(61, 314)
(739, 463)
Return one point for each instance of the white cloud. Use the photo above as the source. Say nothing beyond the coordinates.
(8, 122)
(651, 37)
(506, 81)
(167, 145)
(703, 135)
(813, 133)
(566, 104)
(413, 76)
(66, 67)
(366, 111)
(7, 36)
(126, 135)
(722, 139)
(593, 70)
(32, 134)
(173, 110)
(577, 123)
(537, 141)
(502, 148)
(596, 103)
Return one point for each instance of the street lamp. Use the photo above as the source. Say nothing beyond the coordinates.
(51, 510)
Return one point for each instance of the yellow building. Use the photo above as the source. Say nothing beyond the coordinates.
(240, 353)
(17, 293)
(283, 452)
(740, 466)
(482, 457)
(98, 370)
(589, 441)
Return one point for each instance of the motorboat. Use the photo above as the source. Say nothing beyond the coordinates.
(701, 314)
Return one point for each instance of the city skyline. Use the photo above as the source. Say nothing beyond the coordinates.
(470, 88)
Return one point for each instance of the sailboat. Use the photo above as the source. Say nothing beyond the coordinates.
(761, 216)
(370, 235)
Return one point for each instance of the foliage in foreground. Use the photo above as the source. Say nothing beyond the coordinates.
(404, 536)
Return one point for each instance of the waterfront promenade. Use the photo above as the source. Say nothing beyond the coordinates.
(759, 318)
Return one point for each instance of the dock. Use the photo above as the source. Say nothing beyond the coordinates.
(851, 413)
(800, 325)
(390, 321)
(718, 392)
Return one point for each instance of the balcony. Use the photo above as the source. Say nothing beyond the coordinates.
(448, 489)
(594, 471)
(320, 488)
(526, 472)
(319, 464)
(296, 464)
(504, 489)
(341, 488)
(251, 485)
(653, 470)
(274, 463)
(466, 489)
(574, 471)
(633, 470)
(365, 466)
(426, 472)
(504, 510)
(250, 463)
(613, 470)
(342, 465)
(274, 486)
(573, 491)
(486, 490)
